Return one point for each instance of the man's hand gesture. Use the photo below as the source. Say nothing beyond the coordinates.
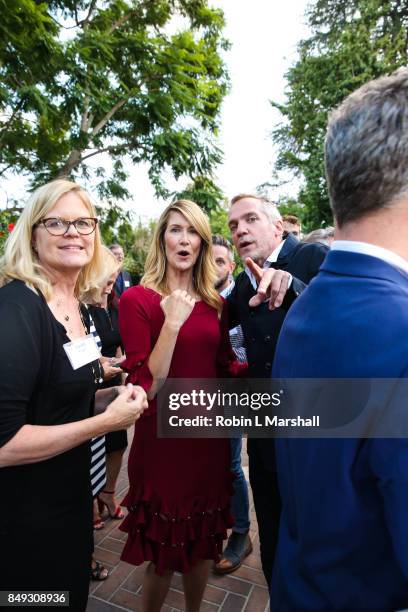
(272, 285)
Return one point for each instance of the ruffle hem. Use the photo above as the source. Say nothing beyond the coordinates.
(174, 538)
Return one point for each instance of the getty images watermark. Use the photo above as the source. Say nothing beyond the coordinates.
(253, 402)
(227, 408)
(303, 408)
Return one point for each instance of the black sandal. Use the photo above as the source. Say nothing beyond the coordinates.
(97, 572)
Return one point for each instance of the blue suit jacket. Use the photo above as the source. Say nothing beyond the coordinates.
(343, 541)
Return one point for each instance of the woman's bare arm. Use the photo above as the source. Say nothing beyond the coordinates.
(34, 443)
(177, 307)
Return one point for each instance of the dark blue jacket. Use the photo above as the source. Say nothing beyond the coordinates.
(123, 282)
(260, 325)
(343, 541)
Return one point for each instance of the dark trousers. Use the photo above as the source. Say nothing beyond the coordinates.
(264, 483)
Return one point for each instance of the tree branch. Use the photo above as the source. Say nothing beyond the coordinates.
(108, 116)
(85, 22)
(5, 169)
(61, 25)
(75, 158)
(120, 22)
(72, 162)
(85, 115)
(110, 149)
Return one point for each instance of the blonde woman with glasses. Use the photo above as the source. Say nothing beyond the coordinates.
(48, 379)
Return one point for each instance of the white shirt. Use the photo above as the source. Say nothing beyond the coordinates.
(236, 334)
(273, 257)
(225, 292)
(366, 248)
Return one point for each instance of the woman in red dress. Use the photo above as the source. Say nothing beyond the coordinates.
(173, 326)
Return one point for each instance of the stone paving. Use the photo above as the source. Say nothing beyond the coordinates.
(244, 590)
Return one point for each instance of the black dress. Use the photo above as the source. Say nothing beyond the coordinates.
(107, 325)
(46, 509)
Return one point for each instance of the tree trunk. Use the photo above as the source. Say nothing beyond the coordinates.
(71, 163)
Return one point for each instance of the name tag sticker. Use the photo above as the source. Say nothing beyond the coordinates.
(82, 351)
(127, 283)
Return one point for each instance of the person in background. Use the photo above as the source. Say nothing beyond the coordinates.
(98, 449)
(173, 325)
(123, 280)
(324, 235)
(292, 225)
(288, 265)
(239, 543)
(106, 320)
(49, 375)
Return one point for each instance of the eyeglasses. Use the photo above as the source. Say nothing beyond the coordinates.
(58, 227)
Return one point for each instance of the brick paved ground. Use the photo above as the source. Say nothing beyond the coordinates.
(244, 590)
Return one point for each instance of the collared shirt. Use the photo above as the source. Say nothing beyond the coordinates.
(366, 248)
(273, 257)
(236, 334)
(225, 292)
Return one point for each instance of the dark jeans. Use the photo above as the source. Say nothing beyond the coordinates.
(239, 502)
(264, 483)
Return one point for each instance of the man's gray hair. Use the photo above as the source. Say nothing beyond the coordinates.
(270, 209)
(322, 234)
(366, 149)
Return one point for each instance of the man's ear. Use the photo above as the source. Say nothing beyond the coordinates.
(279, 227)
(233, 266)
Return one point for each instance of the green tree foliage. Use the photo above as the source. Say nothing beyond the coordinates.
(8, 218)
(219, 225)
(29, 56)
(82, 78)
(142, 239)
(290, 206)
(219, 222)
(351, 42)
(116, 225)
(120, 227)
(204, 192)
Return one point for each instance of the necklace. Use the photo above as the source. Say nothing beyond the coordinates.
(109, 317)
(98, 375)
(60, 303)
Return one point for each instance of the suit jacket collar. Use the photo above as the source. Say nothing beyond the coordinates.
(290, 244)
(357, 264)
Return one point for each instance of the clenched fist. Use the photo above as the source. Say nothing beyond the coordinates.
(126, 408)
(177, 307)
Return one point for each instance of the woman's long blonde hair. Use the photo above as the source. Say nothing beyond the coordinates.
(20, 260)
(110, 266)
(204, 272)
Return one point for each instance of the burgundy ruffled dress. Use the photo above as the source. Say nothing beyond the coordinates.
(180, 489)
